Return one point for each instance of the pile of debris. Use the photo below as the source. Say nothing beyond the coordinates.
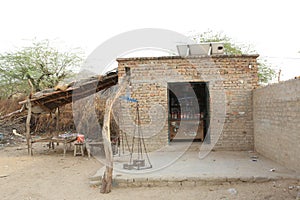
(10, 138)
(12, 120)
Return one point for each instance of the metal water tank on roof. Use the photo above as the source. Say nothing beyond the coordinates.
(209, 48)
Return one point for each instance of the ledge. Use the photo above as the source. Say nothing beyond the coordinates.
(188, 57)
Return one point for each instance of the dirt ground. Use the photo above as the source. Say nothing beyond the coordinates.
(48, 175)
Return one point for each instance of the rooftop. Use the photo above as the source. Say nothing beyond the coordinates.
(189, 57)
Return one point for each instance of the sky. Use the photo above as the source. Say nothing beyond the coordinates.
(272, 27)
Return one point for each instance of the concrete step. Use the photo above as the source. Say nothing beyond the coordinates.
(181, 181)
(219, 167)
(157, 181)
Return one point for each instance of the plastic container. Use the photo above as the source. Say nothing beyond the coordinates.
(80, 138)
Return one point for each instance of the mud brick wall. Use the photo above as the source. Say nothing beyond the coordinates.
(277, 122)
(231, 81)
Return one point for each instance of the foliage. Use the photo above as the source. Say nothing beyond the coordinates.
(40, 63)
(265, 71)
(210, 36)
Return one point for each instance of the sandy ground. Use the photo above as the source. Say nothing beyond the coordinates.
(49, 175)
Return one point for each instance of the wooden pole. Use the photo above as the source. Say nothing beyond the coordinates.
(57, 125)
(107, 176)
(28, 136)
(12, 113)
(279, 75)
(57, 113)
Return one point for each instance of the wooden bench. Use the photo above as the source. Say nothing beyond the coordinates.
(56, 139)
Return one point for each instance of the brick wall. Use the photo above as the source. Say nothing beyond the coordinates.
(277, 122)
(231, 82)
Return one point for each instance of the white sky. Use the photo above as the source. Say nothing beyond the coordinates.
(271, 26)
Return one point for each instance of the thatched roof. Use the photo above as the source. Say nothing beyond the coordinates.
(47, 100)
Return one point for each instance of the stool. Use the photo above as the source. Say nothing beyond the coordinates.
(78, 149)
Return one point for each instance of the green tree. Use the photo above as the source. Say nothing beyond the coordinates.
(42, 64)
(265, 71)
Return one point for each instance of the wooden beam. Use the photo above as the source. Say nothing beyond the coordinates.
(13, 113)
(113, 79)
(64, 97)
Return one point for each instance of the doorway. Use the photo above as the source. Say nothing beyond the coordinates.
(188, 109)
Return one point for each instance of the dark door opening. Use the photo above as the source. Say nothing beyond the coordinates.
(189, 116)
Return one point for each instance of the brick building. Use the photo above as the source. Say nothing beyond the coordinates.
(201, 98)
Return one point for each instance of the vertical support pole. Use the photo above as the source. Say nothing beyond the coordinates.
(107, 176)
(28, 136)
(65, 147)
(57, 113)
(57, 123)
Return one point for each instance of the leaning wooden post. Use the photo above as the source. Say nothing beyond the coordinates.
(106, 184)
(107, 176)
(28, 136)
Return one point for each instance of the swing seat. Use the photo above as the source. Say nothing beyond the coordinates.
(139, 163)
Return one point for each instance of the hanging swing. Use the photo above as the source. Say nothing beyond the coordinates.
(137, 155)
